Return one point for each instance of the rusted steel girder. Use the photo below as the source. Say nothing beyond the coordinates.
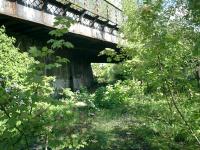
(105, 10)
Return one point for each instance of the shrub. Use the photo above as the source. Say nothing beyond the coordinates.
(29, 114)
(119, 95)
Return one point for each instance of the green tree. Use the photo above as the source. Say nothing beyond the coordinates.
(161, 45)
(29, 114)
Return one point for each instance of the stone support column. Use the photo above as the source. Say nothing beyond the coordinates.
(82, 75)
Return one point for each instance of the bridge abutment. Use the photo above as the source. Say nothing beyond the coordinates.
(82, 75)
(76, 74)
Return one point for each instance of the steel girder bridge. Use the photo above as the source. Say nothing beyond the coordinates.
(96, 28)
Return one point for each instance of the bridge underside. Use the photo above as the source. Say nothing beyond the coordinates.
(84, 47)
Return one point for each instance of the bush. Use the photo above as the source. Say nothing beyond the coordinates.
(29, 114)
(119, 95)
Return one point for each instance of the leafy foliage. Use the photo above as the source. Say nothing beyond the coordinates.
(30, 116)
(161, 53)
(118, 95)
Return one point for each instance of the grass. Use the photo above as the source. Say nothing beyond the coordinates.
(133, 128)
(112, 130)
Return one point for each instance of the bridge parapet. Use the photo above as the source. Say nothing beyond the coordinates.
(102, 8)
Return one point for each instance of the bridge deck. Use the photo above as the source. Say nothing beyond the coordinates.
(94, 19)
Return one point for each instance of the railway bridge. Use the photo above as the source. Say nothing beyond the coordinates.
(95, 28)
